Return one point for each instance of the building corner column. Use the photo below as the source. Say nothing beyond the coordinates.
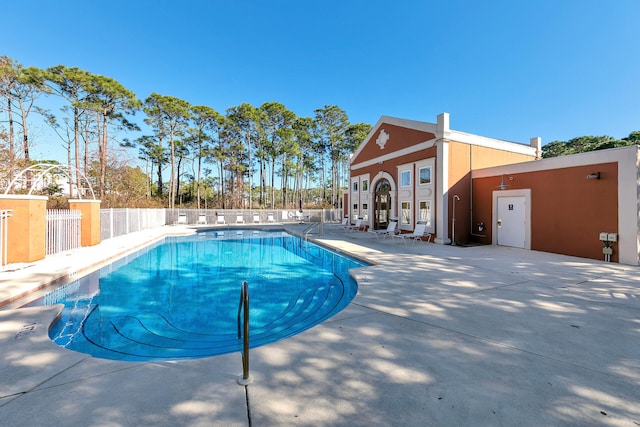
(443, 133)
(26, 227)
(90, 223)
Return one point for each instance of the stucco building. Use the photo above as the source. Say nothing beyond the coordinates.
(469, 188)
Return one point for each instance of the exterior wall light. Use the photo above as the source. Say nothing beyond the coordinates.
(502, 185)
(595, 175)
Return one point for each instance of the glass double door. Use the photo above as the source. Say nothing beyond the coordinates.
(382, 205)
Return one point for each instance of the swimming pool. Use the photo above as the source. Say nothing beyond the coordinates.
(178, 299)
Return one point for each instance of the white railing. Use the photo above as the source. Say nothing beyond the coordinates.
(261, 216)
(121, 221)
(4, 235)
(63, 230)
(117, 222)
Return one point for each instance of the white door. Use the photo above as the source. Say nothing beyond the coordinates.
(511, 224)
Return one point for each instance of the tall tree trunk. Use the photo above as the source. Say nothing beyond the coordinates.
(177, 181)
(159, 192)
(172, 182)
(198, 177)
(250, 189)
(12, 148)
(76, 136)
(25, 134)
(160, 168)
(103, 156)
(273, 181)
(221, 193)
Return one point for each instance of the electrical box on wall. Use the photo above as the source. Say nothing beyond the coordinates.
(604, 236)
(612, 237)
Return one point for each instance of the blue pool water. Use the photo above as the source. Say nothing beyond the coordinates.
(178, 299)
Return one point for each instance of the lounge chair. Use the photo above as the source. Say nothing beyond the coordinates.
(239, 219)
(256, 218)
(344, 224)
(270, 218)
(202, 219)
(418, 233)
(220, 219)
(357, 226)
(389, 231)
(182, 219)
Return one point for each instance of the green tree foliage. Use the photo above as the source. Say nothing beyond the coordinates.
(168, 116)
(216, 156)
(277, 122)
(112, 103)
(73, 85)
(331, 125)
(583, 144)
(201, 135)
(19, 89)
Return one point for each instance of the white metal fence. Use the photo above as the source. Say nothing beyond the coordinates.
(117, 222)
(4, 235)
(63, 227)
(256, 216)
(63, 230)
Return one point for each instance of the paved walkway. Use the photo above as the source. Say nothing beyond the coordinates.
(437, 335)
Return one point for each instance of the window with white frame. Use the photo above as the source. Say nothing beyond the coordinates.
(424, 212)
(355, 211)
(365, 185)
(424, 175)
(405, 178)
(355, 186)
(405, 213)
(365, 211)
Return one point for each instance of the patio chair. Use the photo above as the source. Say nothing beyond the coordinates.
(220, 219)
(239, 219)
(271, 218)
(256, 218)
(418, 233)
(358, 225)
(202, 219)
(391, 230)
(344, 224)
(182, 219)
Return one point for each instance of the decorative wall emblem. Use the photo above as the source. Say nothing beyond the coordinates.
(382, 139)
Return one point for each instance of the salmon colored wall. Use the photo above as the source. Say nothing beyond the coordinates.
(462, 157)
(90, 223)
(459, 178)
(486, 157)
(568, 211)
(391, 166)
(345, 204)
(26, 227)
(399, 138)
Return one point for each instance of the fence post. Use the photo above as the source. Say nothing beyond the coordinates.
(90, 223)
(111, 223)
(27, 239)
(4, 234)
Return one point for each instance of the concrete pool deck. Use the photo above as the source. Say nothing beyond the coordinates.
(437, 335)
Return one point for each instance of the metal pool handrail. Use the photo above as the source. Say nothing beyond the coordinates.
(244, 303)
(320, 229)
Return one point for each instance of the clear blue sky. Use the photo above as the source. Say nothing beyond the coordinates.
(506, 69)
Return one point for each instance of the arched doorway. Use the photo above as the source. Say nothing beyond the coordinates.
(382, 204)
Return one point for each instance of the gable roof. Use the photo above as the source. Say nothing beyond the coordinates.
(427, 129)
(430, 133)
